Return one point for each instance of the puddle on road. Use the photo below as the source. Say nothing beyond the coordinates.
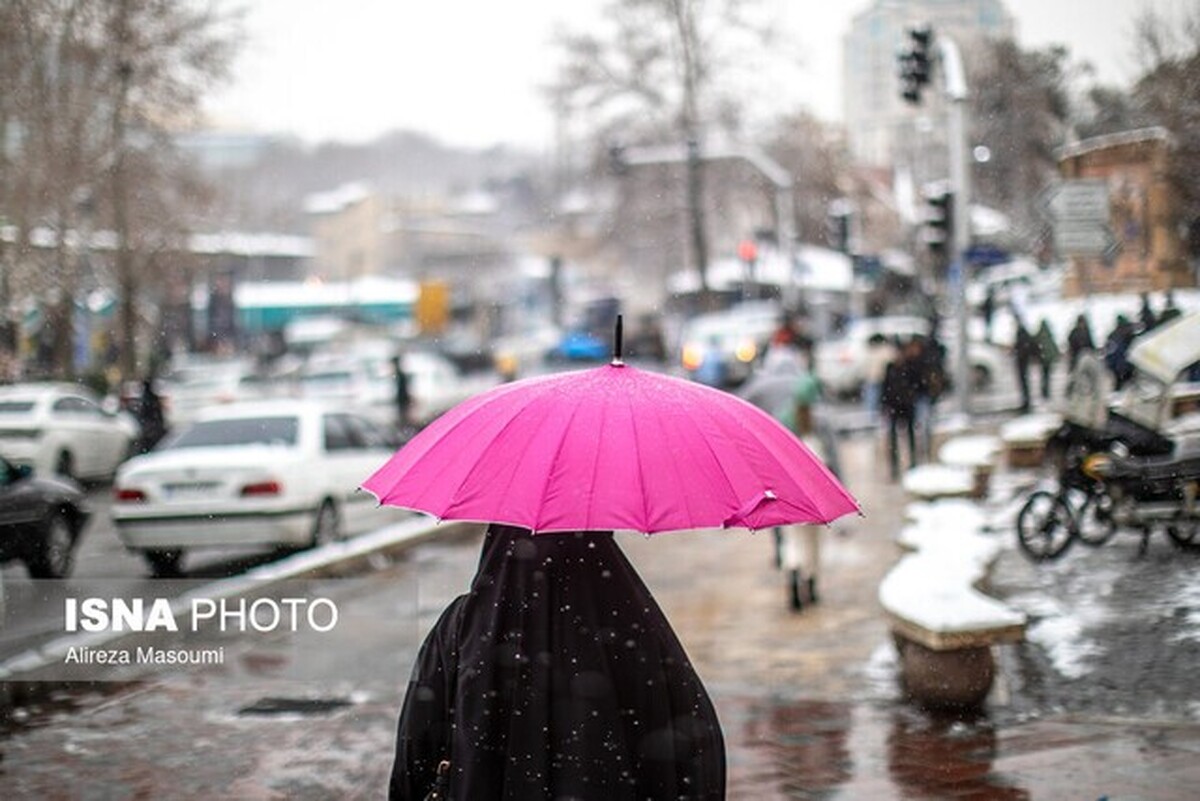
(294, 706)
(815, 749)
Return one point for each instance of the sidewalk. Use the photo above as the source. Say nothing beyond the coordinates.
(810, 705)
(808, 702)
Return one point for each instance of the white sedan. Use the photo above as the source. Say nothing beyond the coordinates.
(62, 429)
(273, 473)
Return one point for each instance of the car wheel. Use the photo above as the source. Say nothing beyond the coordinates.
(64, 465)
(164, 564)
(57, 554)
(327, 526)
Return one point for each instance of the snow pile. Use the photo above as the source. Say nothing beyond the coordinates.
(934, 588)
(938, 480)
(974, 451)
(1030, 428)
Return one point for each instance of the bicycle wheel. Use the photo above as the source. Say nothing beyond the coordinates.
(1093, 516)
(1045, 526)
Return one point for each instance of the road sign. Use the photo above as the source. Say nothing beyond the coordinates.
(1085, 199)
(1082, 240)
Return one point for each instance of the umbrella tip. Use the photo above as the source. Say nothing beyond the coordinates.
(618, 343)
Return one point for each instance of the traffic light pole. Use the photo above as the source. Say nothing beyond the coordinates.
(955, 88)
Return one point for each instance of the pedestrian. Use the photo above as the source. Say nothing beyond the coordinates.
(1116, 351)
(556, 676)
(931, 385)
(880, 353)
(1025, 352)
(403, 394)
(1047, 355)
(798, 546)
(1170, 310)
(1146, 317)
(988, 310)
(151, 420)
(898, 403)
(1079, 341)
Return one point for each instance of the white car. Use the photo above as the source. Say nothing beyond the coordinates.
(737, 337)
(367, 384)
(62, 429)
(281, 473)
(840, 363)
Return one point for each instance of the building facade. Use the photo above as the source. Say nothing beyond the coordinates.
(1147, 251)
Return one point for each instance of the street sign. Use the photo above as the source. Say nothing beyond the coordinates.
(1085, 199)
(1082, 240)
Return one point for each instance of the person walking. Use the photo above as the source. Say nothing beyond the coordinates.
(988, 310)
(1047, 355)
(1146, 316)
(880, 354)
(1079, 341)
(1024, 353)
(556, 676)
(403, 394)
(150, 417)
(1116, 351)
(898, 403)
(798, 547)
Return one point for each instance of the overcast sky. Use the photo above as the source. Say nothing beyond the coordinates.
(468, 71)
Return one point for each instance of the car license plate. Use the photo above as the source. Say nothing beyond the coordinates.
(183, 490)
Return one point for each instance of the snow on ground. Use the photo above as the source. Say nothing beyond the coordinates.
(934, 587)
(1030, 427)
(938, 480)
(976, 450)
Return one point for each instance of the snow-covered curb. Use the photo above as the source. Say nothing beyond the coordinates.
(938, 481)
(933, 589)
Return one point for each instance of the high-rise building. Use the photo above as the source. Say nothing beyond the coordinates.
(876, 115)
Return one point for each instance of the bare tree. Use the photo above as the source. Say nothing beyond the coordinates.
(657, 70)
(94, 88)
(1168, 94)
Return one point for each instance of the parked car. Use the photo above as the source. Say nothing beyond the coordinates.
(840, 363)
(366, 383)
(198, 382)
(40, 520)
(282, 473)
(63, 429)
(735, 338)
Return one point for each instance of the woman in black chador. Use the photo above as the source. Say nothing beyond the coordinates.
(556, 677)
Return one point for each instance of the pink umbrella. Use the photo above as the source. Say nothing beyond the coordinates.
(612, 448)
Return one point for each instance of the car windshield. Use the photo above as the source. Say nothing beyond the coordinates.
(16, 407)
(234, 432)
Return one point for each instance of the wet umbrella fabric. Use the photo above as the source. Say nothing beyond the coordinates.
(613, 448)
(563, 679)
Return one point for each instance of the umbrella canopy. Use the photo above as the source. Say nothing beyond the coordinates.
(613, 448)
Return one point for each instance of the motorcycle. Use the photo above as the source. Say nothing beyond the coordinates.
(1124, 467)
(1109, 482)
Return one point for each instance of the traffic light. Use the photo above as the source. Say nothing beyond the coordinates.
(938, 231)
(915, 64)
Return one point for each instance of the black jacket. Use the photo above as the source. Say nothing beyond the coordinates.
(557, 676)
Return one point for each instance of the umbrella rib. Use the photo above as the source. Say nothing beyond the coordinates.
(803, 491)
(558, 449)
(637, 448)
(482, 402)
(484, 452)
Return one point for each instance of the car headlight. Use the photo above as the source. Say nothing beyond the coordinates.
(746, 351)
(693, 357)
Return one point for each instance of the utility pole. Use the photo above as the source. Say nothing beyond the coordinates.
(915, 72)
